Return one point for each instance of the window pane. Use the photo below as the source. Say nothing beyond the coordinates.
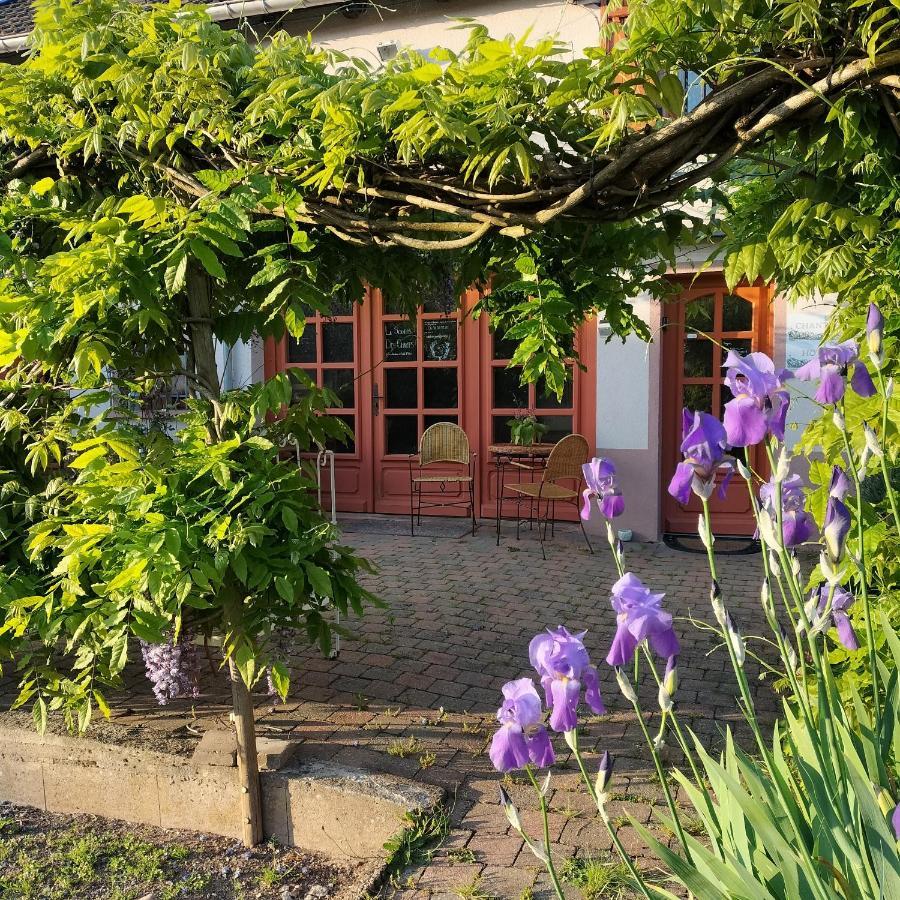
(501, 433)
(433, 420)
(344, 444)
(740, 345)
(439, 337)
(399, 342)
(443, 300)
(503, 348)
(337, 342)
(699, 314)
(698, 358)
(339, 308)
(341, 382)
(698, 397)
(303, 350)
(394, 307)
(737, 314)
(402, 433)
(557, 428)
(509, 392)
(440, 388)
(546, 399)
(401, 390)
(300, 388)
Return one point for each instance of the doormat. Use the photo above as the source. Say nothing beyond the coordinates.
(726, 546)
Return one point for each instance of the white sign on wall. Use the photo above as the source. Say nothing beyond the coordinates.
(805, 328)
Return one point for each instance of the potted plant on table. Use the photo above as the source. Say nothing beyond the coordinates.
(525, 430)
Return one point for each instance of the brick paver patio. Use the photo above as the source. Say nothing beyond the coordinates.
(414, 693)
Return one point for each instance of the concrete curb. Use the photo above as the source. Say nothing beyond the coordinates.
(314, 804)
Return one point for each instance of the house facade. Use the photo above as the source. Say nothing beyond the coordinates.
(394, 378)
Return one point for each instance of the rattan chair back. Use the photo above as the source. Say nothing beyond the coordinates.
(444, 442)
(567, 458)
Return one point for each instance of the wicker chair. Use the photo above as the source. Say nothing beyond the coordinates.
(442, 443)
(563, 464)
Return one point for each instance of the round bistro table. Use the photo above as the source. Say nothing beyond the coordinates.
(508, 456)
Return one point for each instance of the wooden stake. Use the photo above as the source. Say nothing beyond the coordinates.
(204, 353)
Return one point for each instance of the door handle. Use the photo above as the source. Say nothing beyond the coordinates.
(376, 400)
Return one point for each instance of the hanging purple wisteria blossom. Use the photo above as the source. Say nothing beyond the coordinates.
(639, 617)
(703, 444)
(522, 737)
(841, 601)
(600, 478)
(760, 401)
(798, 525)
(561, 660)
(830, 366)
(173, 669)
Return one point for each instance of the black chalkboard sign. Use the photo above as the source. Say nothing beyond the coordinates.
(399, 342)
(440, 339)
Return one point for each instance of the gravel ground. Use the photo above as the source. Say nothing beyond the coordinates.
(49, 856)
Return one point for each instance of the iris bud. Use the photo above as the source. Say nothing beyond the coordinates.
(604, 773)
(872, 441)
(512, 814)
(625, 686)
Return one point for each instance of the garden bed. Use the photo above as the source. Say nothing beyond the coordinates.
(54, 856)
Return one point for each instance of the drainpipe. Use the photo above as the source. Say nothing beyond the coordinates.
(218, 12)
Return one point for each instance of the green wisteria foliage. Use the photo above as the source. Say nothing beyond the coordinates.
(166, 183)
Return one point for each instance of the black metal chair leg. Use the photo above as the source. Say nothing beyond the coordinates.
(581, 523)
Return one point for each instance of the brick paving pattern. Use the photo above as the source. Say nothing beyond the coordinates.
(415, 691)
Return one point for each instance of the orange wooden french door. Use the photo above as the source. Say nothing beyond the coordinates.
(395, 378)
(503, 396)
(700, 326)
(421, 374)
(334, 352)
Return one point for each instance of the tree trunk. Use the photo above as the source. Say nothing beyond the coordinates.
(204, 352)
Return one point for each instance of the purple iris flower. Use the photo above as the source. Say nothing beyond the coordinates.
(703, 444)
(874, 331)
(521, 738)
(562, 661)
(760, 401)
(841, 602)
(639, 617)
(840, 483)
(798, 525)
(600, 478)
(830, 365)
(836, 528)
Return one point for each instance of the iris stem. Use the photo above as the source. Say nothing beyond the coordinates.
(601, 809)
(861, 568)
(551, 869)
(885, 473)
(661, 775)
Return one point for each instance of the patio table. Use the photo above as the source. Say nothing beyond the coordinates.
(508, 456)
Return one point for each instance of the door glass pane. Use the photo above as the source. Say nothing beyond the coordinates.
(698, 357)
(346, 443)
(440, 388)
(557, 428)
(442, 300)
(337, 342)
(741, 346)
(698, 315)
(341, 382)
(503, 348)
(546, 399)
(401, 390)
(697, 397)
(304, 349)
(339, 308)
(433, 420)
(300, 387)
(737, 314)
(402, 433)
(399, 342)
(500, 433)
(439, 337)
(394, 307)
(509, 392)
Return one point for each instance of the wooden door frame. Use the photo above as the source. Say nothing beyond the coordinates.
(670, 401)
